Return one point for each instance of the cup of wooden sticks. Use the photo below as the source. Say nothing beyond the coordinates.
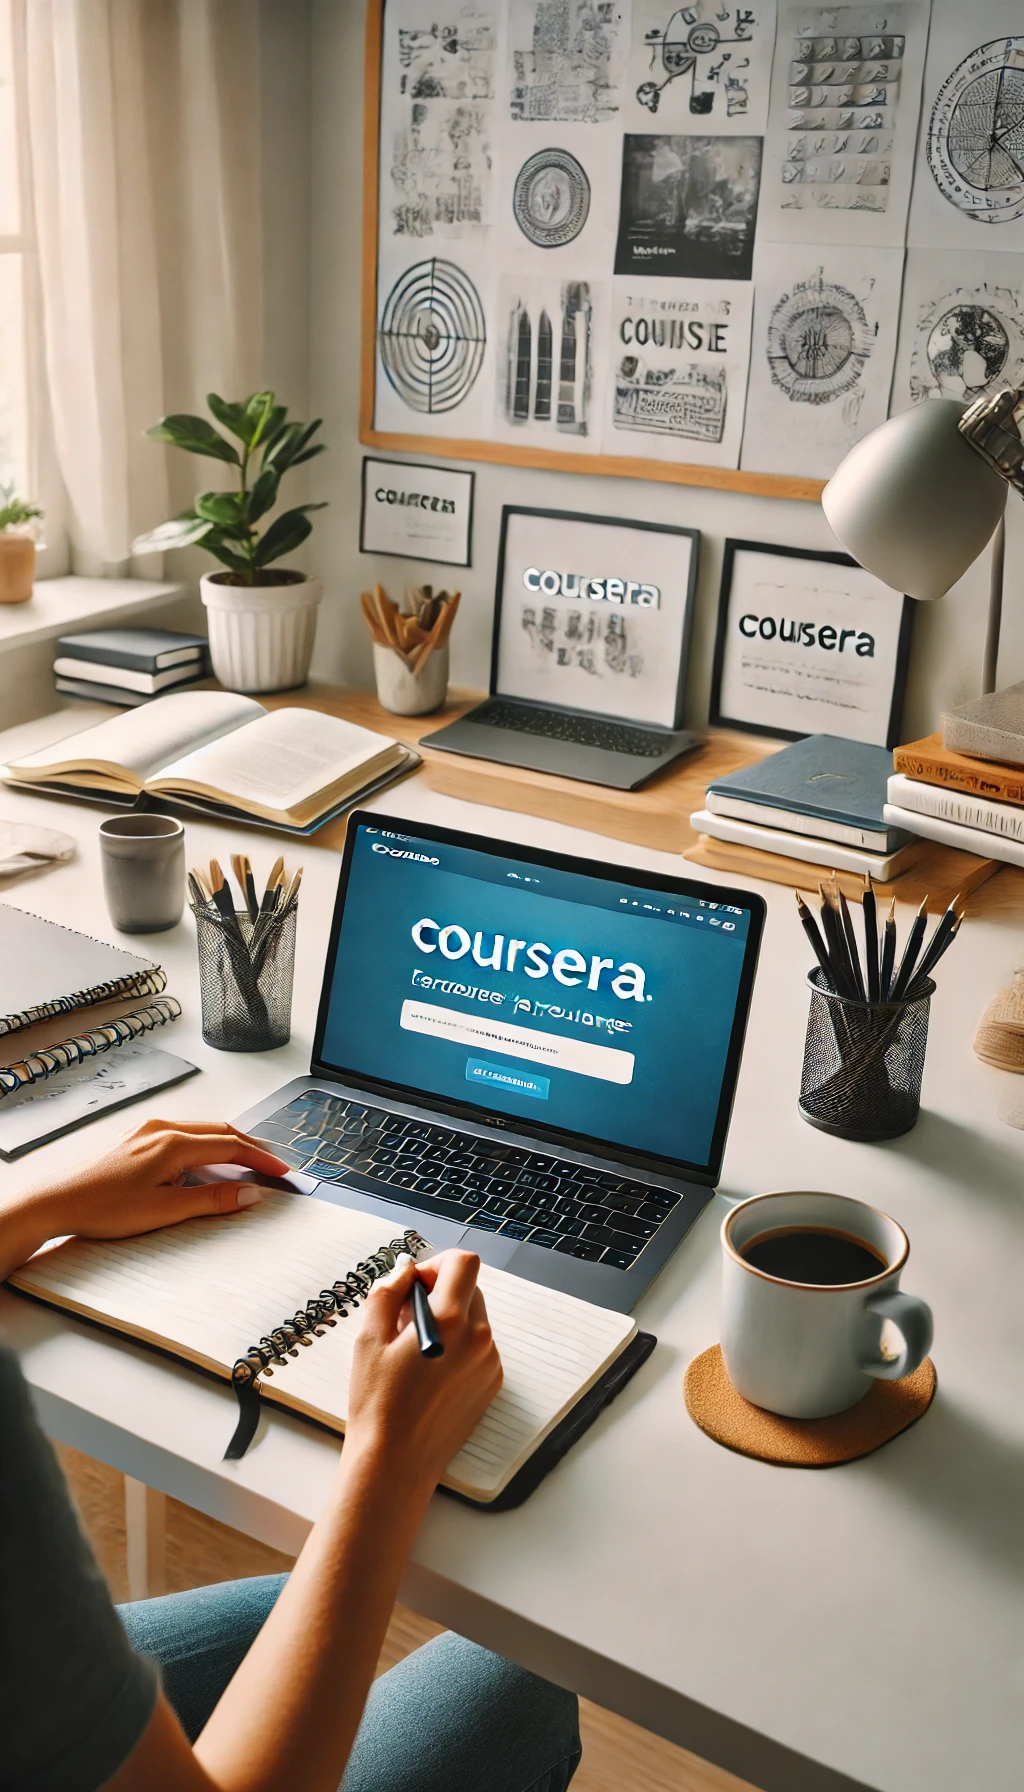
(246, 955)
(410, 647)
(867, 1030)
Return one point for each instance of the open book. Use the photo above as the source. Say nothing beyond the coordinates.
(289, 767)
(212, 1290)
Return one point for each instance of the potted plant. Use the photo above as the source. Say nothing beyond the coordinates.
(20, 521)
(262, 618)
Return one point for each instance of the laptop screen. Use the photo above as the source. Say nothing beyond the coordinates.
(579, 1004)
(593, 614)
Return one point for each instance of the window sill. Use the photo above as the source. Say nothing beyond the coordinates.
(67, 605)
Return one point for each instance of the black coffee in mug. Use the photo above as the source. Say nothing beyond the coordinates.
(813, 1254)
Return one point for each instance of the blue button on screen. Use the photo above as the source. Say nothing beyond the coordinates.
(507, 1077)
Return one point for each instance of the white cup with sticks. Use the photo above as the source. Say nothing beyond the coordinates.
(410, 647)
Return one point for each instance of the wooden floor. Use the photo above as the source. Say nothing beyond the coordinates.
(617, 1756)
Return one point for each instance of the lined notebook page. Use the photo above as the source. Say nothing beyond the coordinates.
(212, 1288)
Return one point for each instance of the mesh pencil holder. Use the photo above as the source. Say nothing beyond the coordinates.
(863, 1063)
(245, 980)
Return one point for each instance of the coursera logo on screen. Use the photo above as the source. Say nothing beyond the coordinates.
(401, 852)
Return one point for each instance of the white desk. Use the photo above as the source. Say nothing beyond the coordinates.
(861, 1627)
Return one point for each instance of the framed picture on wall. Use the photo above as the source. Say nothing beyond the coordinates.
(419, 512)
(808, 643)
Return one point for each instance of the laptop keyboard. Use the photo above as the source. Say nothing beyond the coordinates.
(583, 731)
(562, 1206)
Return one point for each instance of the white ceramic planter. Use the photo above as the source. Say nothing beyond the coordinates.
(261, 636)
(407, 695)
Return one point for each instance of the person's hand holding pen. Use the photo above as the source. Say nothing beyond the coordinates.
(410, 1412)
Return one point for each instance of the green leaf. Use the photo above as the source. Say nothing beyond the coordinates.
(286, 532)
(217, 546)
(180, 532)
(258, 411)
(195, 435)
(317, 448)
(226, 509)
(263, 496)
(278, 452)
(232, 416)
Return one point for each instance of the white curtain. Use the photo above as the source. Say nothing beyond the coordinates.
(144, 136)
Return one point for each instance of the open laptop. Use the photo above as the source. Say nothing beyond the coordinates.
(588, 656)
(531, 1055)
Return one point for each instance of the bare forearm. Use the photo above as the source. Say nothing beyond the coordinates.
(27, 1221)
(292, 1710)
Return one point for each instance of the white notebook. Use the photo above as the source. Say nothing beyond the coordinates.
(210, 1289)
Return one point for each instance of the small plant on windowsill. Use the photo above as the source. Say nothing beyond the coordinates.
(262, 617)
(20, 531)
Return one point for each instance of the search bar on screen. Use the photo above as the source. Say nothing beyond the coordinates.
(582, 1057)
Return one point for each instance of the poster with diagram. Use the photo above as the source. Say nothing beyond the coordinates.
(845, 99)
(969, 178)
(961, 334)
(822, 354)
(551, 360)
(679, 375)
(701, 68)
(567, 60)
(439, 79)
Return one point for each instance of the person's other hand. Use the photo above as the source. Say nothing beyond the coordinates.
(412, 1412)
(137, 1185)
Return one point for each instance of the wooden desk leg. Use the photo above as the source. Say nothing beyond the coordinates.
(145, 1520)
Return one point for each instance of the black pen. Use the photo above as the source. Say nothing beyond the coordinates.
(832, 928)
(426, 1324)
(888, 953)
(870, 939)
(945, 928)
(910, 953)
(807, 922)
(851, 942)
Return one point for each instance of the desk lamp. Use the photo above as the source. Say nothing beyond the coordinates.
(916, 500)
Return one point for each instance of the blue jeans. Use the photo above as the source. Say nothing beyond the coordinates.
(449, 1718)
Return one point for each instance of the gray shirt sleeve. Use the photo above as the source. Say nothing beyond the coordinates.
(74, 1697)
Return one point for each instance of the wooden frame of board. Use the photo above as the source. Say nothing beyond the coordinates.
(770, 485)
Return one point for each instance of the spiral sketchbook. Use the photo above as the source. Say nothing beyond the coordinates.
(270, 1299)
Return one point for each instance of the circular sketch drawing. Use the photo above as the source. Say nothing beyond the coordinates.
(976, 133)
(818, 342)
(966, 342)
(551, 198)
(432, 336)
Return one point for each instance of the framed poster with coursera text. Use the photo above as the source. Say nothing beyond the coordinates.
(808, 643)
(594, 613)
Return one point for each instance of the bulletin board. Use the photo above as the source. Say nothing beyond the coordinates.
(712, 244)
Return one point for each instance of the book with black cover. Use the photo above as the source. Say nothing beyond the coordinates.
(138, 649)
(839, 784)
(235, 1296)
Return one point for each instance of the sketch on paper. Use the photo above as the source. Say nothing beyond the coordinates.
(432, 336)
(551, 198)
(548, 362)
(818, 341)
(688, 206)
(960, 338)
(824, 345)
(438, 112)
(681, 371)
(582, 640)
(843, 98)
(709, 61)
(975, 143)
(566, 57)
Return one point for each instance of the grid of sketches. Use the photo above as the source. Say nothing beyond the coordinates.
(702, 67)
(567, 58)
(824, 341)
(678, 231)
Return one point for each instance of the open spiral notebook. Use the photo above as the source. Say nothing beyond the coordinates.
(276, 1290)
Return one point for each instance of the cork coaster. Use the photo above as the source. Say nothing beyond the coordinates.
(886, 1409)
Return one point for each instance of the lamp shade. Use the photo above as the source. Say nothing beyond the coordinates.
(913, 502)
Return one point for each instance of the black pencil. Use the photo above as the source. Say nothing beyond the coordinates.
(832, 928)
(910, 953)
(871, 940)
(851, 942)
(426, 1324)
(809, 926)
(888, 954)
(945, 929)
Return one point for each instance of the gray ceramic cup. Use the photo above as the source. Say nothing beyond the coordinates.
(143, 858)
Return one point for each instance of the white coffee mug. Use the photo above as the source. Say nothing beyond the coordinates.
(809, 1349)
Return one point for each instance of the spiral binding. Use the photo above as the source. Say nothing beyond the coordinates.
(285, 1340)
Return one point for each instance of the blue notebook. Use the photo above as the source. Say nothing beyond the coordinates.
(821, 785)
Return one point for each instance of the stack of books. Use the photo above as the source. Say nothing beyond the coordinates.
(821, 801)
(958, 799)
(129, 666)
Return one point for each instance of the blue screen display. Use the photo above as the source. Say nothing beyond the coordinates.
(550, 995)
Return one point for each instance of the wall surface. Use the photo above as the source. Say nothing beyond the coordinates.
(948, 636)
